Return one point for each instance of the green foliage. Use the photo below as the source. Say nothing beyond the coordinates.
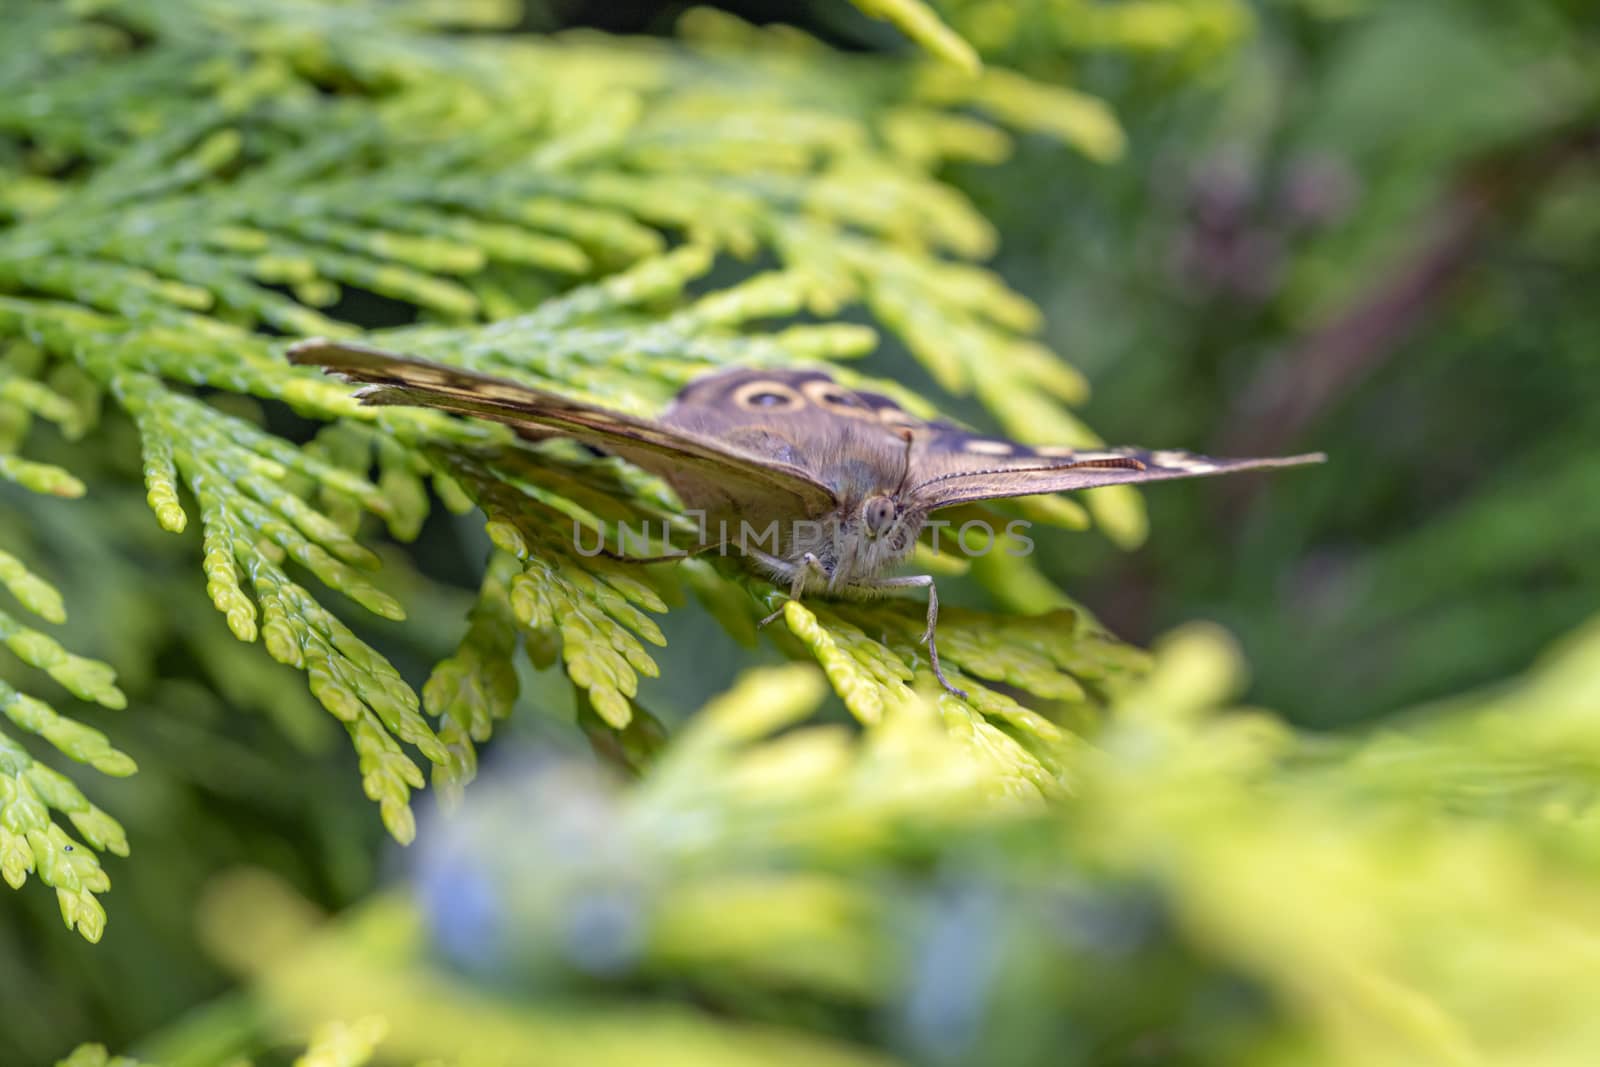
(1104, 856)
(1324, 901)
(1363, 236)
(228, 192)
(95, 1056)
(921, 23)
(32, 793)
(1048, 36)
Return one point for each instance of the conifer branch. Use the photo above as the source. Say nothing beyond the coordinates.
(547, 210)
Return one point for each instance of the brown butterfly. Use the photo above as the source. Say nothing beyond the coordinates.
(835, 483)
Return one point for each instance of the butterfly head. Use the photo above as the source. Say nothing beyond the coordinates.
(866, 536)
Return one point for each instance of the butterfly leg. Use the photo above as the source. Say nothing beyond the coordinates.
(912, 582)
(796, 574)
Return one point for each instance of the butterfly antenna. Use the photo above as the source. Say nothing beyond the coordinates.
(905, 471)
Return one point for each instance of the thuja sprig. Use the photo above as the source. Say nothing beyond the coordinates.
(550, 209)
(874, 660)
(477, 685)
(333, 1043)
(95, 1055)
(334, 208)
(590, 606)
(1049, 36)
(31, 842)
(922, 24)
(252, 524)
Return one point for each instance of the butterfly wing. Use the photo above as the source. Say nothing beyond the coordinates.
(709, 473)
(855, 440)
(958, 468)
(835, 434)
(764, 443)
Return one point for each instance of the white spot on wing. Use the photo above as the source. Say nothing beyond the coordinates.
(1080, 455)
(982, 447)
(509, 393)
(422, 375)
(1182, 461)
(897, 417)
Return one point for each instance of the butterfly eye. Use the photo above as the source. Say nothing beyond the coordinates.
(878, 514)
(767, 396)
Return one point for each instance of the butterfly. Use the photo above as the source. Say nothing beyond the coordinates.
(835, 484)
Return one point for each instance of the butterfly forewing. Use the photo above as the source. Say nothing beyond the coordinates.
(960, 479)
(708, 472)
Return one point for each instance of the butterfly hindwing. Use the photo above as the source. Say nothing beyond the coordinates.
(854, 443)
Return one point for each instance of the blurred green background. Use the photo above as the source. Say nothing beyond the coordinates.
(1362, 228)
